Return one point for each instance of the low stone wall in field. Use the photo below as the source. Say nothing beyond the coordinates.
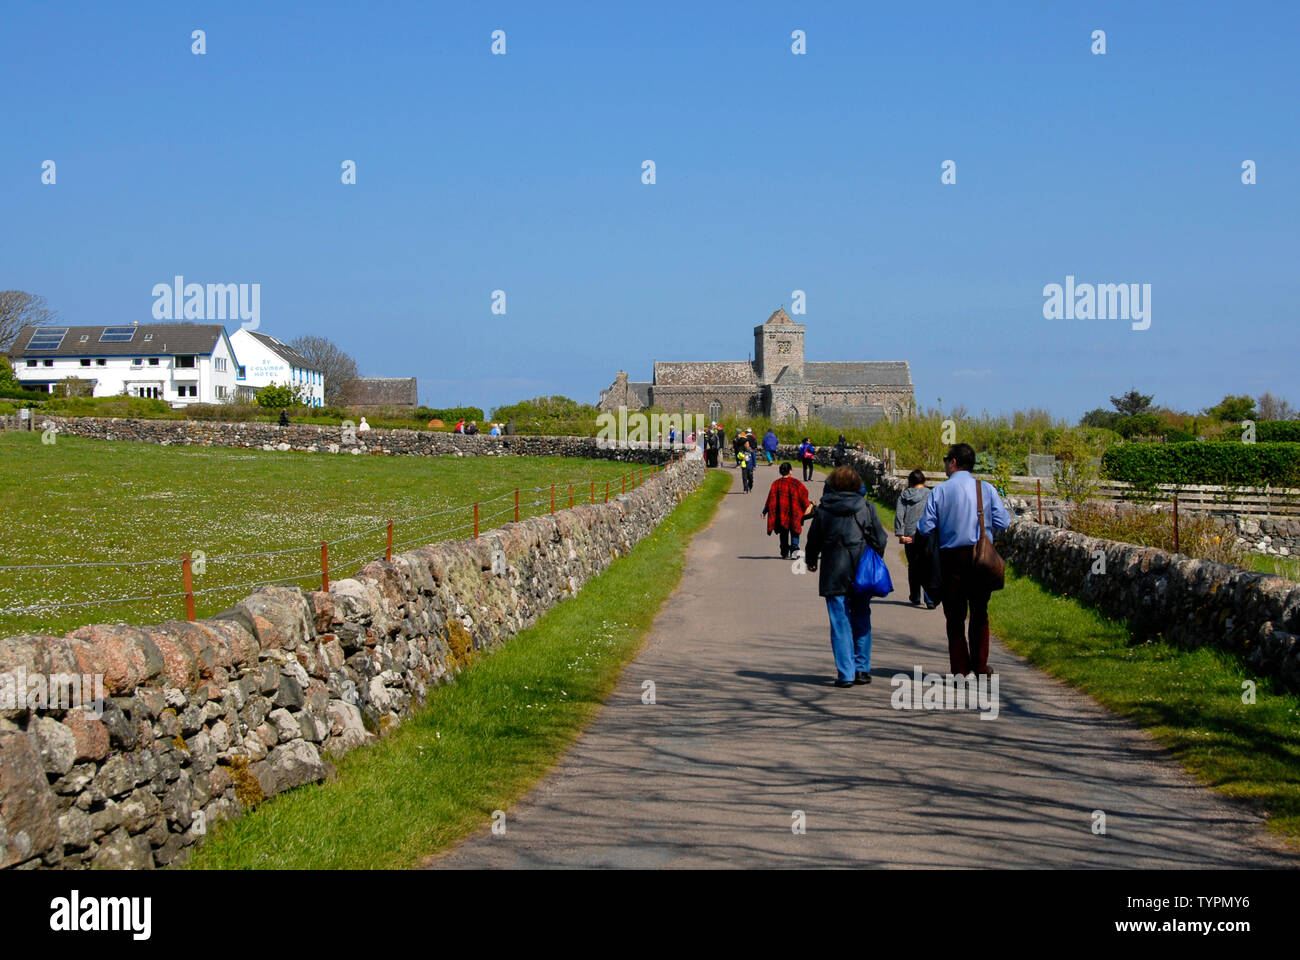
(319, 439)
(203, 720)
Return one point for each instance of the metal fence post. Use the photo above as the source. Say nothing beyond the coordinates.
(189, 588)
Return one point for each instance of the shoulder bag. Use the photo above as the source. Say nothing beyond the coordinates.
(986, 563)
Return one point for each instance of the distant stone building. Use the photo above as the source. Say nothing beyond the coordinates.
(778, 383)
(378, 393)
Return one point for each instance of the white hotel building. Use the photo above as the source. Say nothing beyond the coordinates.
(181, 363)
(264, 360)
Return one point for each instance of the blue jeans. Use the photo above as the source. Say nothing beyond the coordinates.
(850, 634)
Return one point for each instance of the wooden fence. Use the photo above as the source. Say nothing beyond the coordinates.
(1260, 501)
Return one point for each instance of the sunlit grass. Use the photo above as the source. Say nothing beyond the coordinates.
(112, 503)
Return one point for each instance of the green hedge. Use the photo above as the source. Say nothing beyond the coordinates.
(11, 391)
(1278, 431)
(449, 415)
(1246, 464)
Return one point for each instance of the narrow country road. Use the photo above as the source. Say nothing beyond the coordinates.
(747, 729)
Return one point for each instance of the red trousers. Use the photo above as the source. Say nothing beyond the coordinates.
(968, 648)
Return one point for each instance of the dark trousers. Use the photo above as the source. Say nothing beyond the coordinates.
(807, 470)
(789, 540)
(968, 647)
(747, 476)
(916, 563)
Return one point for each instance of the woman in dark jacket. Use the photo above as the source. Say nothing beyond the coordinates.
(844, 525)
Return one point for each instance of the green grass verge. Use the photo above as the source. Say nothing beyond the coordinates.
(1287, 567)
(1188, 700)
(480, 743)
(111, 503)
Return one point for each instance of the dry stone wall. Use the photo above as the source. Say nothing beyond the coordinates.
(203, 720)
(320, 439)
(1189, 602)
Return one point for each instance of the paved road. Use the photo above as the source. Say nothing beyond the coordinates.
(747, 729)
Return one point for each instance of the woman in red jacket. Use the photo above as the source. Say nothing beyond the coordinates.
(787, 502)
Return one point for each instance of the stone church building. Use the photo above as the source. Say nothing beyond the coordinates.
(778, 383)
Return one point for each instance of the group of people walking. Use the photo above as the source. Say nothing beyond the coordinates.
(938, 530)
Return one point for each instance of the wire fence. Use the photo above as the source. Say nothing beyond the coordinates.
(467, 519)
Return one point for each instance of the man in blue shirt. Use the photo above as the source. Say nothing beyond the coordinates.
(951, 510)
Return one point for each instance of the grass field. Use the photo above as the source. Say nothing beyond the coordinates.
(1189, 700)
(1288, 567)
(116, 504)
(480, 743)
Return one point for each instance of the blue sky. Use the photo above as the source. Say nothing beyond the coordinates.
(775, 172)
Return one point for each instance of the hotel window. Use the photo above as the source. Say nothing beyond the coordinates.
(31, 363)
(185, 363)
(101, 362)
(48, 363)
(138, 362)
(153, 361)
(85, 363)
(241, 373)
(220, 364)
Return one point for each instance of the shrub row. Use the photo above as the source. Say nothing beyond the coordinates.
(448, 415)
(1278, 431)
(1228, 464)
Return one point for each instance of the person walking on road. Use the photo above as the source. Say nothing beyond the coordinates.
(770, 444)
(844, 525)
(911, 504)
(746, 459)
(951, 509)
(787, 502)
(807, 457)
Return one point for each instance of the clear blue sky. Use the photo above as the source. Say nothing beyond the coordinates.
(775, 172)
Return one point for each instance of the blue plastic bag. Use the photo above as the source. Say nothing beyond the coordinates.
(872, 579)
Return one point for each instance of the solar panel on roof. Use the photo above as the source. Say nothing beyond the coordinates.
(47, 338)
(117, 335)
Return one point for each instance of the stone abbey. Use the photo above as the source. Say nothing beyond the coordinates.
(778, 383)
